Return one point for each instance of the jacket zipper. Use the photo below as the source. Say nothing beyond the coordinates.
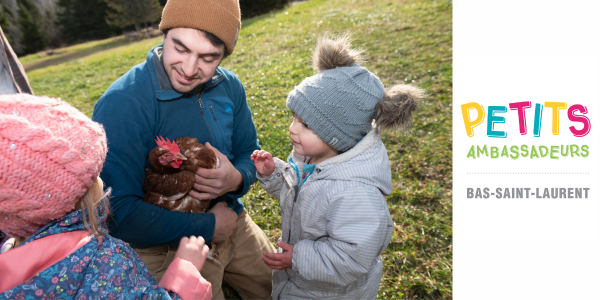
(208, 125)
(297, 191)
(201, 106)
(218, 127)
(213, 112)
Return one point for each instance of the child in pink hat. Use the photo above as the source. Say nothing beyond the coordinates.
(53, 203)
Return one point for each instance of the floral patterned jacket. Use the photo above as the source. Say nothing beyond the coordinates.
(103, 268)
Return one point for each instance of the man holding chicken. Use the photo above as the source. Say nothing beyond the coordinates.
(179, 91)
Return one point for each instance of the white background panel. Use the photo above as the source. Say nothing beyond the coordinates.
(537, 51)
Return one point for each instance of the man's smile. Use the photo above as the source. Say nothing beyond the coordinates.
(184, 79)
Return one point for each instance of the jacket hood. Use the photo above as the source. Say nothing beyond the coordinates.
(366, 162)
(70, 222)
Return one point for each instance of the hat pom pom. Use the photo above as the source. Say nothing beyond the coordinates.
(394, 111)
(335, 52)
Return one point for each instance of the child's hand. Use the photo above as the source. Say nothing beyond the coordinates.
(193, 250)
(263, 161)
(279, 261)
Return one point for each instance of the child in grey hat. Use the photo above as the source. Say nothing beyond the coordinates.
(335, 220)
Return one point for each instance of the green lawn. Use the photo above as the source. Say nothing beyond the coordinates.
(405, 41)
(33, 61)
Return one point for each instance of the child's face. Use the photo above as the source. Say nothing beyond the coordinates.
(307, 143)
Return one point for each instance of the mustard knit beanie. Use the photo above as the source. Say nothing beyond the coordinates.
(222, 18)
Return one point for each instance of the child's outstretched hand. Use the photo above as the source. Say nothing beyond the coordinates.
(279, 261)
(193, 250)
(263, 161)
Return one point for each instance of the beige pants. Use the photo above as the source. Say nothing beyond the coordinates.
(237, 261)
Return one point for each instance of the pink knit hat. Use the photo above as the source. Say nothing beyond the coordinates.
(50, 154)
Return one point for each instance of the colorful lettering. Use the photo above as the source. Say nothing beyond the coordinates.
(537, 123)
(556, 107)
(515, 152)
(534, 152)
(543, 151)
(576, 151)
(553, 151)
(524, 150)
(520, 108)
(493, 119)
(494, 152)
(585, 148)
(579, 118)
(471, 152)
(504, 151)
(469, 125)
(483, 150)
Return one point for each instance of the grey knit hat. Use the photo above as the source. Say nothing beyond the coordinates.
(339, 103)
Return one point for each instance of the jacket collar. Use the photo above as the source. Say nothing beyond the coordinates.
(72, 221)
(366, 162)
(160, 80)
(367, 142)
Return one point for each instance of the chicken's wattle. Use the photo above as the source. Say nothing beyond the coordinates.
(172, 174)
(176, 163)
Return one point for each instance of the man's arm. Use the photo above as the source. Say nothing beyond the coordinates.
(129, 126)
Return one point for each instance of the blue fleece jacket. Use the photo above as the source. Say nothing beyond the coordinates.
(142, 105)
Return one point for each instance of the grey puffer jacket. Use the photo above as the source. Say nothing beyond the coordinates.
(339, 224)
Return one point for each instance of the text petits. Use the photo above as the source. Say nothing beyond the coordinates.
(575, 113)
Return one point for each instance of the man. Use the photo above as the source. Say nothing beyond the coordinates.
(12, 76)
(179, 91)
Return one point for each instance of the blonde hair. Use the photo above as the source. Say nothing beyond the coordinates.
(93, 198)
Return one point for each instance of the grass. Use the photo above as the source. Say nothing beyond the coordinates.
(82, 82)
(405, 41)
(42, 59)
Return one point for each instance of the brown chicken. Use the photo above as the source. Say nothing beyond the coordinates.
(172, 176)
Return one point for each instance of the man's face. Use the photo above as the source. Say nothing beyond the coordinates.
(189, 58)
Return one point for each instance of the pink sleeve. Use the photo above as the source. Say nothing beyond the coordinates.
(183, 278)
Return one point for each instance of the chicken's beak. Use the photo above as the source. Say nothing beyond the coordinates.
(181, 157)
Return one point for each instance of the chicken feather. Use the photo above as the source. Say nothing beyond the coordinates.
(168, 184)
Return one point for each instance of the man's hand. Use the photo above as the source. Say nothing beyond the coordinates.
(279, 261)
(213, 183)
(225, 221)
(263, 161)
(193, 250)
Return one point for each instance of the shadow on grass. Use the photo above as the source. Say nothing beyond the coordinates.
(59, 60)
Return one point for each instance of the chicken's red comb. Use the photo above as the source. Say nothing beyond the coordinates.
(167, 145)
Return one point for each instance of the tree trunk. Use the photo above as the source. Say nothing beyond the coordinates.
(137, 27)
